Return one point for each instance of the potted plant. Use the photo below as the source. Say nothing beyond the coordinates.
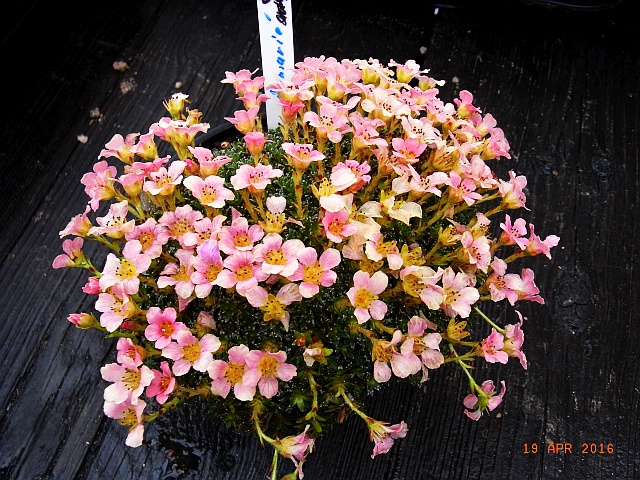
(284, 275)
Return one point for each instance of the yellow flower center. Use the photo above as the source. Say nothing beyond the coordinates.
(244, 273)
(274, 310)
(267, 366)
(126, 270)
(275, 257)
(146, 240)
(364, 298)
(241, 240)
(212, 273)
(191, 352)
(234, 372)
(208, 195)
(313, 273)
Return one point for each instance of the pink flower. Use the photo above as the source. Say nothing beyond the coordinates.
(181, 222)
(384, 436)
(513, 234)
(426, 346)
(462, 189)
(477, 251)
(420, 281)
(255, 142)
(277, 257)
(146, 147)
(228, 375)
(491, 348)
(301, 155)
(210, 192)
(537, 245)
(124, 271)
(240, 272)
(244, 120)
(190, 352)
(92, 287)
(295, 448)
(162, 385)
(274, 306)
(512, 193)
(337, 227)
(163, 182)
(208, 164)
(364, 295)
(207, 265)
(378, 249)
(131, 415)
(73, 254)
(265, 368)
(486, 398)
(513, 340)
(315, 272)
(129, 380)
(99, 183)
(116, 307)
(126, 348)
(162, 326)
(179, 276)
(79, 225)
(239, 236)
(151, 235)
(459, 295)
(255, 178)
(385, 352)
(120, 148)
(114, 224)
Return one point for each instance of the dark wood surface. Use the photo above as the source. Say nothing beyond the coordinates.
(562, 84)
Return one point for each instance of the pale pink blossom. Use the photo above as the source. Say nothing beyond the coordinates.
(337, 227)
(537, 246)
(244, 120)
(513, 340)
(115, 306)
(114, 224)
(512, 193)
(203, 229)
(92, 287)
(513, 234)
(207, 265)
(129, 380)
(384, 436)
(151, 235)
(163, 181)
(120, 148)
(99, 183)
(486, 398)
(276, 256)
(301, 155)
(265, 368)
(130, 415)
(254, 177)
(162, 385)
(364, 295)
(239, 236)
(126, 348)
(459, 294)
(491, 348)
(190, 352)
(231, 375)
(274, 306)
(72, 255)
(462, 189)
(295, 448)
(421, 281)
(241, 272)
(180, 222)
(255, 142)
(315, 272)
(146, 147)
(427, 347)
(210, 191)
(79, 225)
(179, 275)
(385, 352)
(162, 326)
(378, 249)
(124, 270)
(476, 251)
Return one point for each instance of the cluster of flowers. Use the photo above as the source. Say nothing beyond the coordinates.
(285, 274)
